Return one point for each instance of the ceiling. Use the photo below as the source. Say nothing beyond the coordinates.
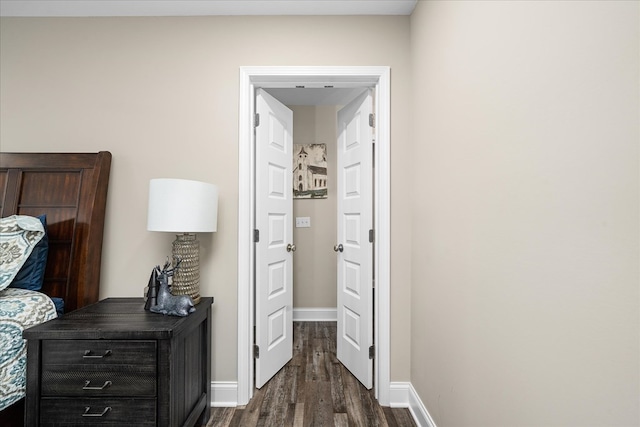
(315, 96)
(79, 8)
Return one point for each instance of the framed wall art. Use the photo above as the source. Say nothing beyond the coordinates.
(310, 171)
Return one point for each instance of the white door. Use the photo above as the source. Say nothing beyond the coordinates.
(274, 246)
(354, 250)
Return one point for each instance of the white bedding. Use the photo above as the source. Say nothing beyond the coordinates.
(19, 309)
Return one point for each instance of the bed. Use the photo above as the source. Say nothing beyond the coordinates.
(66, 193)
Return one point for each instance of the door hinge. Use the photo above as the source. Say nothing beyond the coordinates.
(372, 120)
(256, 351)
(371, 236)
(256, 120)
(256, 236)
(372, 352)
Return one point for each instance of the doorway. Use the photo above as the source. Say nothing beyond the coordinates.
(252, 78)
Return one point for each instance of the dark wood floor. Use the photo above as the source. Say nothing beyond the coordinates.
(313, 389)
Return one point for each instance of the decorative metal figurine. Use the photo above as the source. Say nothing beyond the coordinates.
(152, 290)
(159, 298)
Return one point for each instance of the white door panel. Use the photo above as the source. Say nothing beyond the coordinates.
(355, 257)
(274, 211)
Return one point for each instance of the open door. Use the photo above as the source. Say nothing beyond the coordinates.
(274, 232)
(355, 233)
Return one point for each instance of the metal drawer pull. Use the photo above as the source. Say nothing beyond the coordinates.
(87, 387)
(101, 414)
(88, 355)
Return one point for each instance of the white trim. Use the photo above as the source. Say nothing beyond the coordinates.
(224, 394)
(399, 394)
(246, 223)
(403, 395)
(315, 314)
(251, 77)
(382, 226)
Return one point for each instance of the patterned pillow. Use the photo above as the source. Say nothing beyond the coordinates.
(31, 274)
(19, 234)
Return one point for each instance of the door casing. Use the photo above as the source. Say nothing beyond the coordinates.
(377, 78)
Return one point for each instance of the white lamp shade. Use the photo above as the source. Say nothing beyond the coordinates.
(182, 206)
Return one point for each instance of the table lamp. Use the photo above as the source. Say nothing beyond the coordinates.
(183, 207)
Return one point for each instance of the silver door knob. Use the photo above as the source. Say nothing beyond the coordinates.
(338, 248)
(291, 248)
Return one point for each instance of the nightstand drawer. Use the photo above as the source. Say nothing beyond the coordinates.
(97, 412)
(103, 352)
(98, 380)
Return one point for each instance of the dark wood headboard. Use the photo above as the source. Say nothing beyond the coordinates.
(71, 189)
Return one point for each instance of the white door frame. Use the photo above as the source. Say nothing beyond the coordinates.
(338, 77)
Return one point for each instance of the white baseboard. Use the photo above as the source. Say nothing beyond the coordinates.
(403, 395)
(315, 314)
(224, 394)
(399, 394)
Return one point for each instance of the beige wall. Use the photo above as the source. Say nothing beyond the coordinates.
(315, 263)
(525, 212)
(162, 95)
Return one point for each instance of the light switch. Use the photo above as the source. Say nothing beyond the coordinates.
(303, 222)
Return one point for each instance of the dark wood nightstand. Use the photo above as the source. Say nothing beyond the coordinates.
(113, 363)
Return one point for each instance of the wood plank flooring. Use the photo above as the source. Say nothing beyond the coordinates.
(312, 390)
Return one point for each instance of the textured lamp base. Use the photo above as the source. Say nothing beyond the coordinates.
(186, 279)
